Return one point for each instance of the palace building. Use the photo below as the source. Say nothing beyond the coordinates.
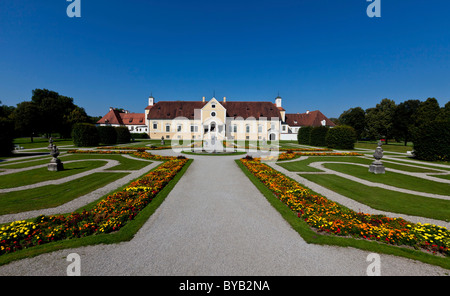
(231, 120)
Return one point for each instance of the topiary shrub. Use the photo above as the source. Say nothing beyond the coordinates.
(304, 135)
(107, 135)
(318, 135)
(85, 135)
(341, 137)
(432, 141)
(123, 135)
(6, 137)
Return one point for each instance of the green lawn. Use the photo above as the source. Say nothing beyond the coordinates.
(43, 174)
(385, 200)
(40, 142)
(392, 147)
(392, 179)
(303, 165)
(53, 195)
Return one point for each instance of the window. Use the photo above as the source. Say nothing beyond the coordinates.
(168, 128)
(247, 129)
(194, 128)
(260, 128)
(179, 127)
(213, 105)
(155, 125)
(213, 114)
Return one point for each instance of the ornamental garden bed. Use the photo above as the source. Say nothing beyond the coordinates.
(110, 214)
(326, 216)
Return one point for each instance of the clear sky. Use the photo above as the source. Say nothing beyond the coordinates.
(323, 55)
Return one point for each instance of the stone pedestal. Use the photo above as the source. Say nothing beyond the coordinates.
(377, 166)
(55, 165)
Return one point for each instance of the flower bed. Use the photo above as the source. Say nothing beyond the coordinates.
(329, 217)
(291, 155)
(110, 214)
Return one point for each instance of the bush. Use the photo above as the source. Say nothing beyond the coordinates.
(304, 135)
(341, 137)
(123, 135)
(107, 135)
(432, 141)
(318, 135)
(141, 136)
(85, 135)
(6, 136)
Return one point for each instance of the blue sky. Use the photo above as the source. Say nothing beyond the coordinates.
(323, 55)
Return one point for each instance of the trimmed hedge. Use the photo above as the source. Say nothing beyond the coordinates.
(432, 141)
(318, 136)
(107, 135)
(6, 137)
(85, 135)
(123, 135)
(341, 137)
(304, 135)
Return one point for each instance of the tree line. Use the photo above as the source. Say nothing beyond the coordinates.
(389, 121)
(46, 113)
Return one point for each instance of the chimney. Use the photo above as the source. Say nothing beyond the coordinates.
(224, 99)
(203, 100)
(111, 108)
(307, 111)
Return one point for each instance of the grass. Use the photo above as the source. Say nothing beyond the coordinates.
(126, 233)
(392, 179)
(312, 237)
(40, 142)
(391, 147)
(43, 174)
(303, 165)
(385, 200)
(53, 195)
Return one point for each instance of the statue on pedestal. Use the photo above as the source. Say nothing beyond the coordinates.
(55, 164)
(377, 166)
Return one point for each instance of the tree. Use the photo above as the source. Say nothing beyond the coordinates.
(26, 118)
(54, 111)
(432, 141)
(379, 120)
(427, 112)
(6, 130)
(356, 118)
(403, 122)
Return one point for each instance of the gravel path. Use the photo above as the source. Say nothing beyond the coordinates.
(215, 222)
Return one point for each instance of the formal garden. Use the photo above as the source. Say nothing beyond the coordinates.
(109, 184)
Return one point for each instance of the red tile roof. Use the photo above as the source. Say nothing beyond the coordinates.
(121, 118)
(173, 109)
(313, 118)
(252, 109)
